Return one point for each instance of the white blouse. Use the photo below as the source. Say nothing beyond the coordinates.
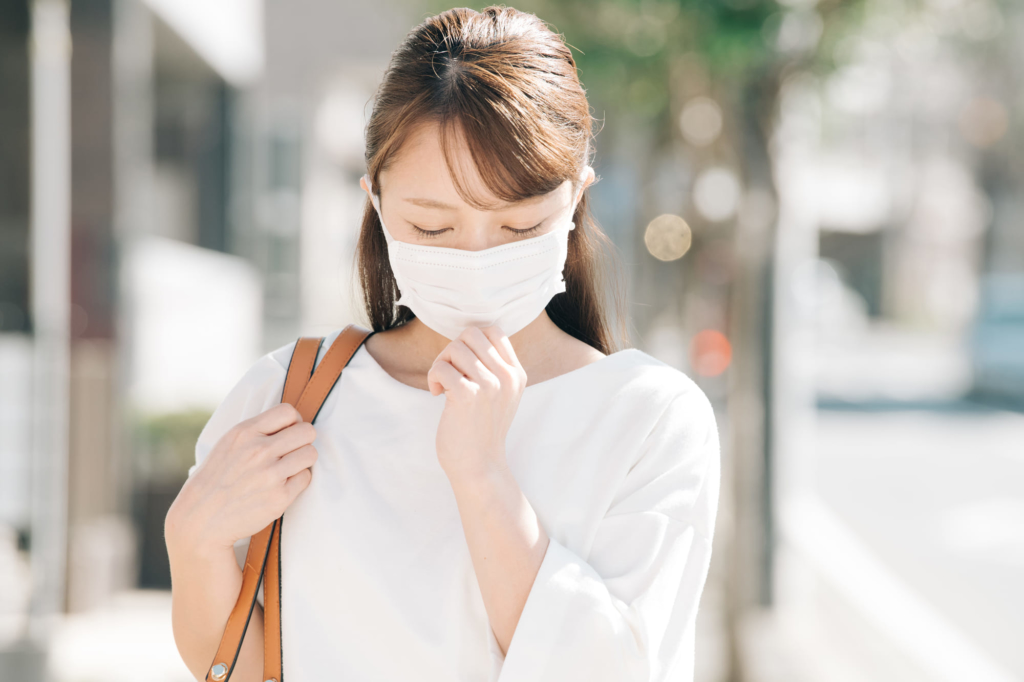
(620, 461)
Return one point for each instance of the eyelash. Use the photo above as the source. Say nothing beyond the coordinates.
(437, 233)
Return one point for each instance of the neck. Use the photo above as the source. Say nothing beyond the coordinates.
(532, 344)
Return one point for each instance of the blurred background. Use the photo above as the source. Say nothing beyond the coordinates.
(819, 205)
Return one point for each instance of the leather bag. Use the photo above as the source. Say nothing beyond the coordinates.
(306, 390)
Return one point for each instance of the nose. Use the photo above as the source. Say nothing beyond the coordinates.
(479, 236)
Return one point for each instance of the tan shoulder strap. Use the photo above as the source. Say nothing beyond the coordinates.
(306, 390)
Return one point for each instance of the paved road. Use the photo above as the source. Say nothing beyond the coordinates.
(939, 497)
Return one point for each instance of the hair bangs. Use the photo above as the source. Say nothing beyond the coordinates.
(509, 145)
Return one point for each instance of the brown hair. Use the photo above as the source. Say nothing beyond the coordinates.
(503, 82)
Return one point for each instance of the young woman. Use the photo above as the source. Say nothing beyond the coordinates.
(491, 491)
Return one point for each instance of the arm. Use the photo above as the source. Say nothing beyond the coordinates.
(506, 542)
(252, 459)
(206, 582)
(623, 609)
(626, 609)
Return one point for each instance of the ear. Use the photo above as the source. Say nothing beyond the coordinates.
(588, 177)
(364, 184)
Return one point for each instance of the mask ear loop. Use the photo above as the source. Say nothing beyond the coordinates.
(375, 200)
(373, 195)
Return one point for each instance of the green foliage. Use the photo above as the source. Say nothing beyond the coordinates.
(625, 49)
(166, 443)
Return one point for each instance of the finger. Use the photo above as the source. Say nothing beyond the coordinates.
(500, 341)
(289, 438)
(276, 418)
(443, 377)
(483, 347)
(467, 362)
(295, 461)
(296, 484)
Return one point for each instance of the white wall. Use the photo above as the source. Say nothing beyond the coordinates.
(195, 321)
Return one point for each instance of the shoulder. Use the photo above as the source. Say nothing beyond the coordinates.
(679, 440)
(642, 378)
(672, 465)
(282, 355)
(675, 420)
(634, 393)
(256, 391)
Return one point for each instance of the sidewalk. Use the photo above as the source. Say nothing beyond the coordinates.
(128, 640)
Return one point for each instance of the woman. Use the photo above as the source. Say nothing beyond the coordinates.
(496, 494)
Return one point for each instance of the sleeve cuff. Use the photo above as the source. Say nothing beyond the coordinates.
(542, 627)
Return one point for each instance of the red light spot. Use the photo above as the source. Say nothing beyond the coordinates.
(710, 353)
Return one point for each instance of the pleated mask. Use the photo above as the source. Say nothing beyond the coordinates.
(451, 289)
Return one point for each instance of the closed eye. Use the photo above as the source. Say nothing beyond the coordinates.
(526, 231)
(435, 233)
(429, 233)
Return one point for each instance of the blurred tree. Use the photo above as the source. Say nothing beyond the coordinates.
(167, 442)
(165, 449)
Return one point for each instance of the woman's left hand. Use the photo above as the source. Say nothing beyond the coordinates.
(483, 381)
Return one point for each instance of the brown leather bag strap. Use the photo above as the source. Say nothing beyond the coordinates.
(273, 662)
(299, 369)
(306, 390)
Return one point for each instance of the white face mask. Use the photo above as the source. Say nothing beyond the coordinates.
(451, 289)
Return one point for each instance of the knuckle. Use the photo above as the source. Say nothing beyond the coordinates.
(285, 409)
(243, 449)
(303, 478)
(269, 478)
(257, 448)
(236, 434)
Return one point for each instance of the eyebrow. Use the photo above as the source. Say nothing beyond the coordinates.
(434, 203)
(430, 203)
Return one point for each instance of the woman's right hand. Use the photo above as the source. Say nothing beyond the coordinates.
(253, 473)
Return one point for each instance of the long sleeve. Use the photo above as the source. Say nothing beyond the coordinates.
(626, 612)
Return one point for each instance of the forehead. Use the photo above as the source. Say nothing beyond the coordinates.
(419, 169)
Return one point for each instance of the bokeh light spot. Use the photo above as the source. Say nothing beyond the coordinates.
(710, 353)
(716, 193)
(668, 237)
(984, 121)
(701, 121)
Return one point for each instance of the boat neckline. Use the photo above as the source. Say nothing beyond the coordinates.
(561, 378)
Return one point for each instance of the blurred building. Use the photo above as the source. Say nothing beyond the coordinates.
(212, 156)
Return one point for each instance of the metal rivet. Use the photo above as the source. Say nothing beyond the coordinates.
(219, 672)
